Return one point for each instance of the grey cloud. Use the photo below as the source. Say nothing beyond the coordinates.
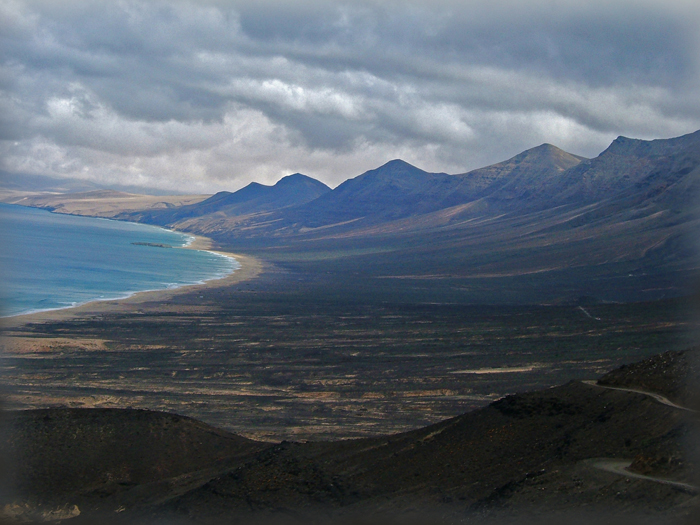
(596, 41)
(212, 94)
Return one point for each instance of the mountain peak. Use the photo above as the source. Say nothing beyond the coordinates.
(299, 179)
(396, 163)
(624, 145)
(546, 149)
(291, 179)
(522, 177)
(638, 147)
(396, 168)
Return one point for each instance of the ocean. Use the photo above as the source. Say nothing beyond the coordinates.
(51, 261)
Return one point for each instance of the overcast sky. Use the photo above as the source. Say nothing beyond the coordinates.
(203, 96)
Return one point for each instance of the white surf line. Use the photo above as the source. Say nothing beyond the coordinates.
(657, 397)
(586, 312)
(620, 467)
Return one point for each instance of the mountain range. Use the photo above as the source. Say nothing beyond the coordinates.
(545, 225)
(393, 191)
(538, 179)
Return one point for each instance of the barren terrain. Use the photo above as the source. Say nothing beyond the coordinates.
(577, 450)
(97, 203)
(270, 359)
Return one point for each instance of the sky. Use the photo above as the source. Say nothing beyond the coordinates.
(201, 96)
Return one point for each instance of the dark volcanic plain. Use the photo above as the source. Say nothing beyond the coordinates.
(272, 363)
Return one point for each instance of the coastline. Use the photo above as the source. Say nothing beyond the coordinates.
(249, 268)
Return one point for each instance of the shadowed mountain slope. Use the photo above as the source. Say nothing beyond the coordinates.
(255, 198)
(627, 164)
(291, 190)
(400, 199)
(393, 191)
(396, 189)
(521, 178)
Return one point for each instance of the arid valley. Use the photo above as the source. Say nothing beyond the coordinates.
(374, 358)
(349, 262)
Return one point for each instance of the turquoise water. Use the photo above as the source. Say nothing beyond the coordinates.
(50, 261)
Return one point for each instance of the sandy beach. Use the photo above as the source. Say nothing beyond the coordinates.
(250, 268)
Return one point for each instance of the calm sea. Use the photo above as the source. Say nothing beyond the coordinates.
(50, 261)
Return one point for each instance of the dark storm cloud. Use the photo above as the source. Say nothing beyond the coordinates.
(600, 44)
(205, 95)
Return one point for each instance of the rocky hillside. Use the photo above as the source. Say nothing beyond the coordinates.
(543, 451)
(72, 454)
(670, 374)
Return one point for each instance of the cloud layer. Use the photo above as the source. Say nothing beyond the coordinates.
(202, 96)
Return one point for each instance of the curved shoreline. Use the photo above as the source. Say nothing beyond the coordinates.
(249, 268)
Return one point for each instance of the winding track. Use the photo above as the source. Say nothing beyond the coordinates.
(620, 466)
(657, 397)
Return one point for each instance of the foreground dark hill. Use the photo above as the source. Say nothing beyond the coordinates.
(534, 452)
(61, 453)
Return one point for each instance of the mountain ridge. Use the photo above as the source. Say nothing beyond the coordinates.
(512, 179)
(626, 163)
(368, 194)
(616, 226)
(291, 190)
(396, 190)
